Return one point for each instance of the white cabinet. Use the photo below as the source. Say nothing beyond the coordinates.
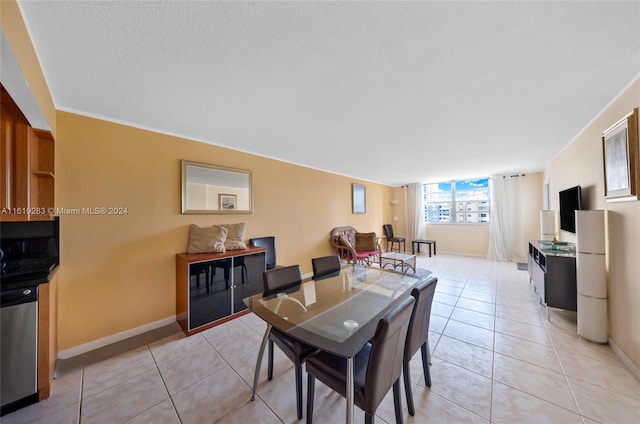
(591, 275)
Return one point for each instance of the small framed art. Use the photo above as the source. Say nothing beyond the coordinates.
(620, 158)
(359, 198)
(227, 202)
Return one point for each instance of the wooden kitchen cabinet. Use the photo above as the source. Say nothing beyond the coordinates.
(47, 335)
(27, 160)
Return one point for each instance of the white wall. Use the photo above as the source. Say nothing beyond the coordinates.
(580, 163)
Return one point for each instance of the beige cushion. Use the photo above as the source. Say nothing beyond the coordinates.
(366, 242)
(207, 239)
(235, 236)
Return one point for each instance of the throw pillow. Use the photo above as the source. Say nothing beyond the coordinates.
(235, 236)
(206, 239)
(366, 242)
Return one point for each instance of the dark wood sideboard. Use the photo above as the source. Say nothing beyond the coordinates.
(210, 286)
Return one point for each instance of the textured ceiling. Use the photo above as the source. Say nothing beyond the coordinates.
(392, 92)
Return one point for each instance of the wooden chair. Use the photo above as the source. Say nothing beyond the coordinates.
(377, 367)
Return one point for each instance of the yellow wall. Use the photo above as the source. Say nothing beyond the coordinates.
(18, 38)
(581, 163)
(118, 272)
(462, 239)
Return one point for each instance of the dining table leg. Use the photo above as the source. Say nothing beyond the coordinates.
(350, 390)
(256, 373)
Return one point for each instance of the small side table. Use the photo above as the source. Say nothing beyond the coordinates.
(419, 242)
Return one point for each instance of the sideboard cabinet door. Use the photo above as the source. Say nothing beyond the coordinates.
(255, 266)
(210, 287)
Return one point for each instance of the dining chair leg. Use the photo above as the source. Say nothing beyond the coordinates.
(397, 402)
(256, 373)
(407, 387)
(425, 364)
(226, 275)
(429, 352)
(299, 390)
(368, 419)
(270, 361)
(243, 273)
(311, 388)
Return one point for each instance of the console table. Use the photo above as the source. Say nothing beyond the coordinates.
(553, 273)
(210, 286)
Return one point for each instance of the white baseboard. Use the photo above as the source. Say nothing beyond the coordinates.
(625, 359)
(445, 252)
(105, 341)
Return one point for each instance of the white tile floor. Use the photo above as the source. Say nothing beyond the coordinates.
(495, 359)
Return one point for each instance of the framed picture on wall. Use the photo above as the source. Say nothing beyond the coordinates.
(620, 157)
(359, 199)
(227, 202)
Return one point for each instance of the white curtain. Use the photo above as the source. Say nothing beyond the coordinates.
(414, 211)
(506, 228)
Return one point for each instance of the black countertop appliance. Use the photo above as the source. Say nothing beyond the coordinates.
(29, 254)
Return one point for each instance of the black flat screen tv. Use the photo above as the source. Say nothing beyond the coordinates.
(570, 201)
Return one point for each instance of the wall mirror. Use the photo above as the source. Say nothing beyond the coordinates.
(215, 189)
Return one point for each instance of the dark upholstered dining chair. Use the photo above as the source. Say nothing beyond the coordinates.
(269, 243)
(418, 335)
(275, 280)
(325, 267)
(377, 367)
(388, 232)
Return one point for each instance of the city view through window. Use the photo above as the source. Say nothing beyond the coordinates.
(458, 202)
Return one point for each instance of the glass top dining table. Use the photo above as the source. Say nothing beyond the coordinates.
(337, 314)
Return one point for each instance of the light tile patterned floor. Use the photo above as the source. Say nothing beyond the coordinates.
(495, 359)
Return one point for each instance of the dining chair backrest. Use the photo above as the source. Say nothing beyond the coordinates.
(281, 278)
(387, 346)
(269, 243)
(418, 332)
(276, 281)
(326, 266)
(388, 231)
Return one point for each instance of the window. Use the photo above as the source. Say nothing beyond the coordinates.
(459, 202)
